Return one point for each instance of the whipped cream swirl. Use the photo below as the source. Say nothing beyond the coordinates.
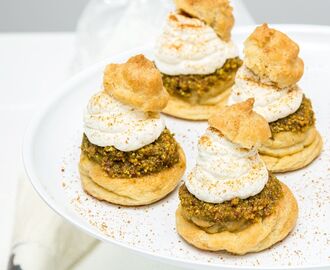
(189, 46)
(224, 170)
(108, 122)
(271, 102)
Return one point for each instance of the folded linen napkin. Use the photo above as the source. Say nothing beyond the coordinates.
(42, 239)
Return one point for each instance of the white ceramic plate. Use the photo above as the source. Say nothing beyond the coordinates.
(51, 152)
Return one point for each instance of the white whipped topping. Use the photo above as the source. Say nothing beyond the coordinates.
(189, 46)
(224, 170)
(108, 122)
(270, 101)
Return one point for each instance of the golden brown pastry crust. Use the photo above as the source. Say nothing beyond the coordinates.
(273, 56)
(240, 124)
(137, 83)
(288, 151)
(130, 191)
(179, 108)
(256, 237)
(216, 13)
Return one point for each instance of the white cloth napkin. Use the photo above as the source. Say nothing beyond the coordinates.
(42, 239)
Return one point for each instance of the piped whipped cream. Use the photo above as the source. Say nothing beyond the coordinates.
(271, 102)
(108, 122)
(224, 170)
(189, 46)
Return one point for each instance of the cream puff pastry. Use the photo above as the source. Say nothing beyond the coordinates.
(230, 201)
(196, 57)
(128, 156)
(270, 74)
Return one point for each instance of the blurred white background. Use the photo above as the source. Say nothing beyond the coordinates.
(62, 15)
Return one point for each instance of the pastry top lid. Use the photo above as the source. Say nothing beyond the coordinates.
(273, 56)
(241, 125)
(137, 83)
(216, 13)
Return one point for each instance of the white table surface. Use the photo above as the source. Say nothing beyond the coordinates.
(31, 67)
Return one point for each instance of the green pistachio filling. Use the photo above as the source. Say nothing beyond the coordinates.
(197, 86)
(152, 158)
(299, 121)
(239, 211)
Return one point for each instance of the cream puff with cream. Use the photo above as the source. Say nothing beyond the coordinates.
(197, 58)
(229, 200)
(270, 73)
(128, 156)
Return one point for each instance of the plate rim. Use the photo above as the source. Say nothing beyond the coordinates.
(62, 89)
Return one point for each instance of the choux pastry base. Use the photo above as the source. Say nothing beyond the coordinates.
(130, 191)
(289, 151)
(257, 237)
(181, 109)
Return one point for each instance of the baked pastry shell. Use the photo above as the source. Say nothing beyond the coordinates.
(289, 151)
(130, 191)
(257, 237)
(179, 108)
(263, 56)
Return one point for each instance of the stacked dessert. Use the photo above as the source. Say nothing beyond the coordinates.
(196, 57)
(128, 155)
(270, 74)
(230, 201)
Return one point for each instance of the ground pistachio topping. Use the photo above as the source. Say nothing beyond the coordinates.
(239, 211)
(299, 121)
(186, 86)
(152, 158)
